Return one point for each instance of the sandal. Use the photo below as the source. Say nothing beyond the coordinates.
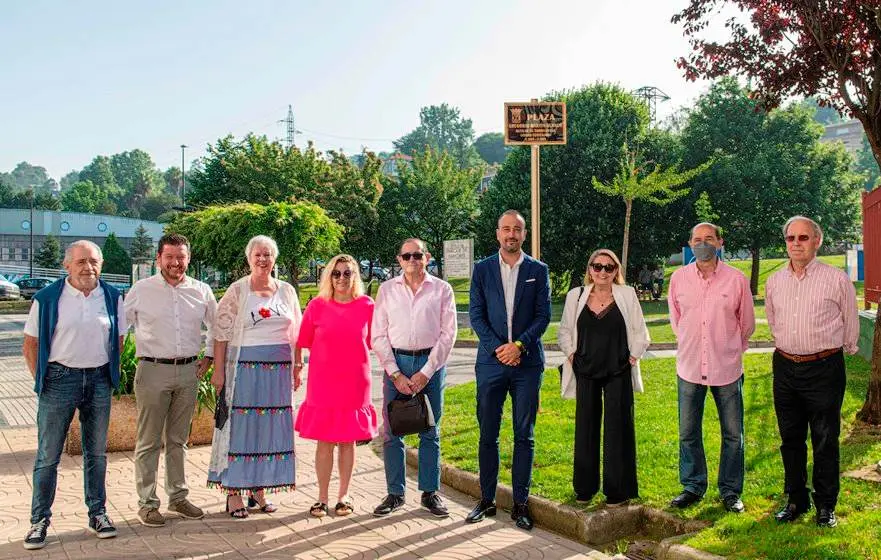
(240, 513)
(318, 509)
(344, 506)
(267, 507)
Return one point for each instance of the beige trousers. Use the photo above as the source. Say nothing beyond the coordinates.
(166, 397)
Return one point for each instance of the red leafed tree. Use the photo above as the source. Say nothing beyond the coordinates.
(829, 49)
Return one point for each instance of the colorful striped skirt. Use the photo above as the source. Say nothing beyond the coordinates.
(261, 444)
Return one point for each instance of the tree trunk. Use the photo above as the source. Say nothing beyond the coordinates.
(294, 271)
(754, 273)
(629, 206)
(871, 411)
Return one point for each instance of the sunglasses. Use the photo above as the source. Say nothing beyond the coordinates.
(417, 255)
(607, 267)
(803, 237)
(336, 274)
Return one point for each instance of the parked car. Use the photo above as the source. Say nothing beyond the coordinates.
(380, 273)
(29, 286)
(8, 290)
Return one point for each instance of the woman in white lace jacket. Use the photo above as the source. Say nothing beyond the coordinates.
(257, 319)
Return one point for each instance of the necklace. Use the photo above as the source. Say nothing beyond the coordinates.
(600, 302)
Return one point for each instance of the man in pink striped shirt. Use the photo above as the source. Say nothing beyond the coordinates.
(413, 332)
(812, 312)
(712, 315)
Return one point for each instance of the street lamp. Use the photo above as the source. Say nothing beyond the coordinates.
(183, 183)
(31, 229)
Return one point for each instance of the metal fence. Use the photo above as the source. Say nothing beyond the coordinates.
(15, 272)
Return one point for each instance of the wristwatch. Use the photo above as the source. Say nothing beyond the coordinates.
(394, 376)
(519, 345)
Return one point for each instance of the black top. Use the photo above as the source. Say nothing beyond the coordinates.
(602, 344)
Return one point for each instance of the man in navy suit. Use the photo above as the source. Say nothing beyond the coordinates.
(510, 310)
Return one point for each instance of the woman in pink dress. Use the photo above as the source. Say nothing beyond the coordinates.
(337, 411)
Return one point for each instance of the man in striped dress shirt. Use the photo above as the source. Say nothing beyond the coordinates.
(812, 312)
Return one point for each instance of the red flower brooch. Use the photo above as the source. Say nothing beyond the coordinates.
(265, 313)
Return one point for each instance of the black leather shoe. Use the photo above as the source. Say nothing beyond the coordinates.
(433, 503)
(826, 517)
(791, 512)
(483, 509)
(391, 503)
(520, 514)
(733, 504)
(685, 499)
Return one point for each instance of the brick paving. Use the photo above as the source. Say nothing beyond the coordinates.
(288, 533)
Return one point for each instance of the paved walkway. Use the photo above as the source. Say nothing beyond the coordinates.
(288, 533)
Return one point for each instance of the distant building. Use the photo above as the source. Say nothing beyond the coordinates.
(489, 175)
(15, 230)
(390, 163)
(850, 133)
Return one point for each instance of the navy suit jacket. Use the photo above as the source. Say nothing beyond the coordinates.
(532, 311)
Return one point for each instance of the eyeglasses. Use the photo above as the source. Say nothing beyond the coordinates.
(802, 237)
(607, 267)
(336, 274)
(417, 255)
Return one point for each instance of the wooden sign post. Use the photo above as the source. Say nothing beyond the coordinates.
(535, 123)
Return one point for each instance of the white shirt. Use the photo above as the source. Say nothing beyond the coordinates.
(408, 321)
(82, 333)
(168, 319)
(268, 320)
(509, 285)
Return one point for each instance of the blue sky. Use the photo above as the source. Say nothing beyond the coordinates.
(78, 79)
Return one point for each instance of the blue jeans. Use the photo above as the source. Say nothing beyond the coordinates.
(65, 390)
(429, 440)
(493, 385)
(692, 461)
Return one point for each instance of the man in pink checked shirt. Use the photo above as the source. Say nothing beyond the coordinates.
(712, 315)
(413, 331)
(812, 312)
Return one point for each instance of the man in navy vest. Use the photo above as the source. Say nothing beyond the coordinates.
(510, 310)
(72, 342)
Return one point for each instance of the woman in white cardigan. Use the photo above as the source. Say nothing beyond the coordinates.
(603, 335)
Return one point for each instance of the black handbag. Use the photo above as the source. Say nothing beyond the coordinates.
(410, 415)
(221, 410)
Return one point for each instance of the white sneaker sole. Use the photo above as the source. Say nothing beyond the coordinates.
(107, 535)
(34, 546)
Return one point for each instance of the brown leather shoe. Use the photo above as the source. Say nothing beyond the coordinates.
(150, 517)
(185, 508)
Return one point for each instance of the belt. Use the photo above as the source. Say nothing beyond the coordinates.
(98, 369)
(170, 361)
(802, 358)
(421, 352)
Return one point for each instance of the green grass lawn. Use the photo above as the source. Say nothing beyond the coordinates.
(753, 534)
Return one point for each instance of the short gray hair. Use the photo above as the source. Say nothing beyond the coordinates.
(422, 246)
(818, 231)
(511, 213)
(261, 240)
(68, 253)
(716, 228)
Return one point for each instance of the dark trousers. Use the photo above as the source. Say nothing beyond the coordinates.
(494, 383)
(619, 443)
(810, 394)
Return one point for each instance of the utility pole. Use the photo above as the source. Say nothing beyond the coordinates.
(31, 229)
(183, 181)
(651, 95)
(289, 125)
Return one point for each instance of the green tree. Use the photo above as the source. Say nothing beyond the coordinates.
(69, 180)
(11, 197)
(219, 234)
(136, 175)
(770, 166)
(703, 209)
(434, 199)
(867, 166)
(159, 203)
(142, 245)
(26, 175)
(491, 147)
(575, 218)
(116, 259)
(84, 196)
(49, 253)
(257, 170)
(641, 180)
(442, 129)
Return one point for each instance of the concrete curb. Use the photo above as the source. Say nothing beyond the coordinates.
(590, 528)
(653, 346)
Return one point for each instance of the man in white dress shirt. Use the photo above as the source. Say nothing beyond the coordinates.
(167, 311)
(413, 331)
(72, 341)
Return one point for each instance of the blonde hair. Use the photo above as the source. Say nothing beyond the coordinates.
(325, 288)
(619, 278)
